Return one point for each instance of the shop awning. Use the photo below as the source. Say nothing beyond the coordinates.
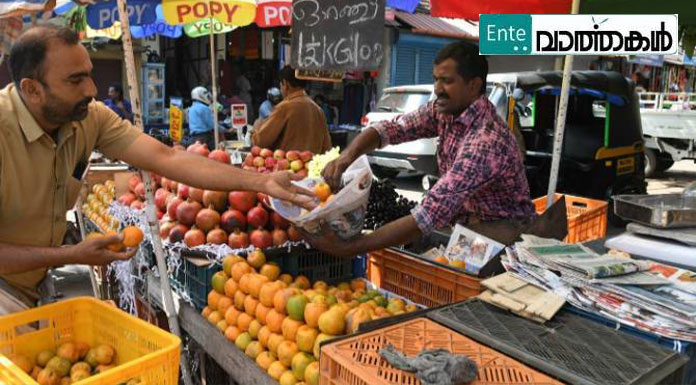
(428, 25)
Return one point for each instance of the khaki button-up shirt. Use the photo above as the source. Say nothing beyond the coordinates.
(296, 123)
(36, 174)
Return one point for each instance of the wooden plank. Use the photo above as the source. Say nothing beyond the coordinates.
(240, 367)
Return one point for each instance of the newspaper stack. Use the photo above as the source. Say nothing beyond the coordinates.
(650, 296)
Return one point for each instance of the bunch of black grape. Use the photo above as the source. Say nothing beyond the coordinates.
(385, 205)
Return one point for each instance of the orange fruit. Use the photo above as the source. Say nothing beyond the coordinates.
(274, 340)
(231, 333)
(287, 278)
(264, 334)
(281, 297)
(222, 326)
(255, 283)
(261, 313)
(256, 258)
(250, 304)
(239, 269)
(276, 370)
(214, 317)
(286, 351)
(231, 316)
(322, 190)
(223, 304)
(302, 282)
(270, 270)
(442, 259)
(312, 312)
(243, 322)
(244, 283)
(116, 246)
(213, 298)
(289, 328)
(218, 281)
(239, 298)
(254, 328)
(264, 360)
(268, 291)
(231, 287)
(230, 260)
(274, 321)
(132, 236)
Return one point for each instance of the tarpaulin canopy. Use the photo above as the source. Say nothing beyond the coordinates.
(470, 9)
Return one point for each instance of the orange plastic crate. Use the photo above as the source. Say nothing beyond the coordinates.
(143, 351)
(421, 281)
(587, 218)
(356, 360)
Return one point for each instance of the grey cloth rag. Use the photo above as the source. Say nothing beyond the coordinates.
(434, 366)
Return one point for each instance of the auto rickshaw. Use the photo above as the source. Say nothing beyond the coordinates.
(603, 147)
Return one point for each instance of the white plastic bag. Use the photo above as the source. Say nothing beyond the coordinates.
(345, 213)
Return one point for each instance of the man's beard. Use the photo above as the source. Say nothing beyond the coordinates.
(60, 112)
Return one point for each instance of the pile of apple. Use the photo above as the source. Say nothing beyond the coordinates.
(264, 160)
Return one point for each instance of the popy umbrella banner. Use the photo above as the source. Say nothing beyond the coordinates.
(103, 14)
(159, 27)
(273, 13)
(203, 28)
(231, 12)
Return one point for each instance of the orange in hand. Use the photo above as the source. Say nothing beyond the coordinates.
(322, 191)
(114, 246)
(132, 236)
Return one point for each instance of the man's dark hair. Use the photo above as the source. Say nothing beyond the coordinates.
(29, 51)
(469, 63)
(117, 87)
(288, 74)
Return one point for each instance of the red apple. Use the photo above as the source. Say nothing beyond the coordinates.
(259, 162)
(292, 155)
(249, 160)
(306, 156)
(279, 154)
(296, 165)
(255, 151)
(271, 162)
(302, 173)
(266, 153)
(283, 164)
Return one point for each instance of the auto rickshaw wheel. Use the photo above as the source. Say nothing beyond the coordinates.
(651, 163)
(663, 164)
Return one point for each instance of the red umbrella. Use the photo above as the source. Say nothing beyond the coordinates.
(471, 9)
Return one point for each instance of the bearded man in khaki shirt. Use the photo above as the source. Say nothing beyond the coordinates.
(49, 122)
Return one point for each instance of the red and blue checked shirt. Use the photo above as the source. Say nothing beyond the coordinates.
(482, 174)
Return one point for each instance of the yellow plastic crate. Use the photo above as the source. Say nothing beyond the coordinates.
(143, 351)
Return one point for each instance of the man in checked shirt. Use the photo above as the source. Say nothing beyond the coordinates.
(483, 184)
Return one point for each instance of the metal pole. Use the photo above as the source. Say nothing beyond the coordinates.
(213, 75)
(560, 120)
(168, 299)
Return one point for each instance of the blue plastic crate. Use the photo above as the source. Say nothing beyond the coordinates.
(684, 347)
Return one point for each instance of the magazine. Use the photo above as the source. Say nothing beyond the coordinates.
(472, 248)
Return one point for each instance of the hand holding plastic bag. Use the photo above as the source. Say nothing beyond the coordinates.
(345, 213)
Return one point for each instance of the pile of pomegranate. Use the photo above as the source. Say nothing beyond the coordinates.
(197, 217)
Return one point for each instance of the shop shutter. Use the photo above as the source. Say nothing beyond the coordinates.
(426, 56)
(404, 65)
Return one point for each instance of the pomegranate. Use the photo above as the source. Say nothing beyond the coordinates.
(182, 191)
(233, 219)
(263, 198)
(165, 228)
(241, 200)
(140, 190)
(173, 186)
(261, 238)
(207, 219)
(172, 206)
(177, 233)
(279, 222)
(257, 217)
(217, 236)
(126, 199)
(279, 237)
(293, 234)
(238, 240)
(187, 211)
(156, 179)
(220, 155)
(196, 194)
(194, 237)
(161, 196)
(132, 182)
(217, 199)
(160, 214)
(256, 151)
(137, 204)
